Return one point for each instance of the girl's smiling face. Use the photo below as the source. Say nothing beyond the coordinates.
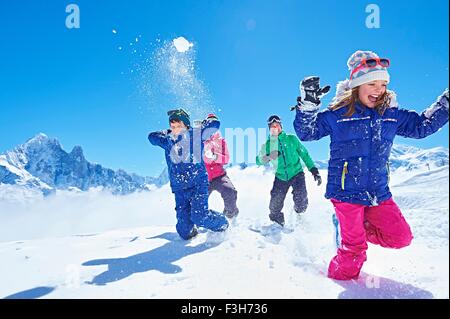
(370, 93)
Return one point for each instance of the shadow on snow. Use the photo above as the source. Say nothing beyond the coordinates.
(159, 259)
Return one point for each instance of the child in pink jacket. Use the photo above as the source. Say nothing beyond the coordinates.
(216, 156)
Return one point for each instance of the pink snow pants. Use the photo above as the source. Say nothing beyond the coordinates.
(382, 225)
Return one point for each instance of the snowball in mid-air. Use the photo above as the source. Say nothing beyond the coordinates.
(182, 45)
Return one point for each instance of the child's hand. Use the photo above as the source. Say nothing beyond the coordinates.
(311, 91)
(272, 156)
(210, 155)
(310, 94)
(315, 172)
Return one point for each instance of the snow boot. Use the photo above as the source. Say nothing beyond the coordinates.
(194, 232)
(231, 214)
(277, 218)
(299, 211)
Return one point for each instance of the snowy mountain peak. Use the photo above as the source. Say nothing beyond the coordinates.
(42, 164)
(410, 157)
(77, 153)
(38, 137)
(42, 140)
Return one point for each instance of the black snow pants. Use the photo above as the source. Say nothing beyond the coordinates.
(279, 192)
(225, 187)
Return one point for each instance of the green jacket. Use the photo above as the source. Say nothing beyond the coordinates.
(288, 163)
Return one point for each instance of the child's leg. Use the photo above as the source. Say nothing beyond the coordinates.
(386, 226)
(277, 197)
(229, 195)
(183, 208)
(201, 215)
(214, 185)
(211, 187)
(299, 193)
(351, 256)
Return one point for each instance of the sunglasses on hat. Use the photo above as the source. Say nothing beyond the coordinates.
(371, 63)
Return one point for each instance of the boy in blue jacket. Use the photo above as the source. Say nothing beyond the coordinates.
(362, 122)
(183, 148)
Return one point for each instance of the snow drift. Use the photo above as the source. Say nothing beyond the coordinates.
(72, 255)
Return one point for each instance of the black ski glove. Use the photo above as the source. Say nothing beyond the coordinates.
(315, 172)
(310, 93)
(272, 156)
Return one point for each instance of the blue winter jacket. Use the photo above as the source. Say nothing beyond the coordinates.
(358, 168)
(184, 155)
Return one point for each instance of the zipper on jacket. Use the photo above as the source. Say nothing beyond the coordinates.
(369, 159)
(388, 172)
(284, 159)
(344, 173)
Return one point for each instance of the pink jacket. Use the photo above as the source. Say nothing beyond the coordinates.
(216, 145)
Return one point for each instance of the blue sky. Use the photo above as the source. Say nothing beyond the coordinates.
(77, 86)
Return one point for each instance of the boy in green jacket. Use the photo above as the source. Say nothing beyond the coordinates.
(284, 151)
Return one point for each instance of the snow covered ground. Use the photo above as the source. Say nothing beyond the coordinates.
(96, 245)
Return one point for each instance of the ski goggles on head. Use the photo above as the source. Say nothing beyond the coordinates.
(179, 112)
(371, 63)
(273, 119)
(179, 115)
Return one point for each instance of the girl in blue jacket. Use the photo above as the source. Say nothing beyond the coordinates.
(183, 148)
(362, 121)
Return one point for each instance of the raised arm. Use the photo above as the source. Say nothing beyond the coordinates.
(311, 125)
(159, 138)
(414, 125)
